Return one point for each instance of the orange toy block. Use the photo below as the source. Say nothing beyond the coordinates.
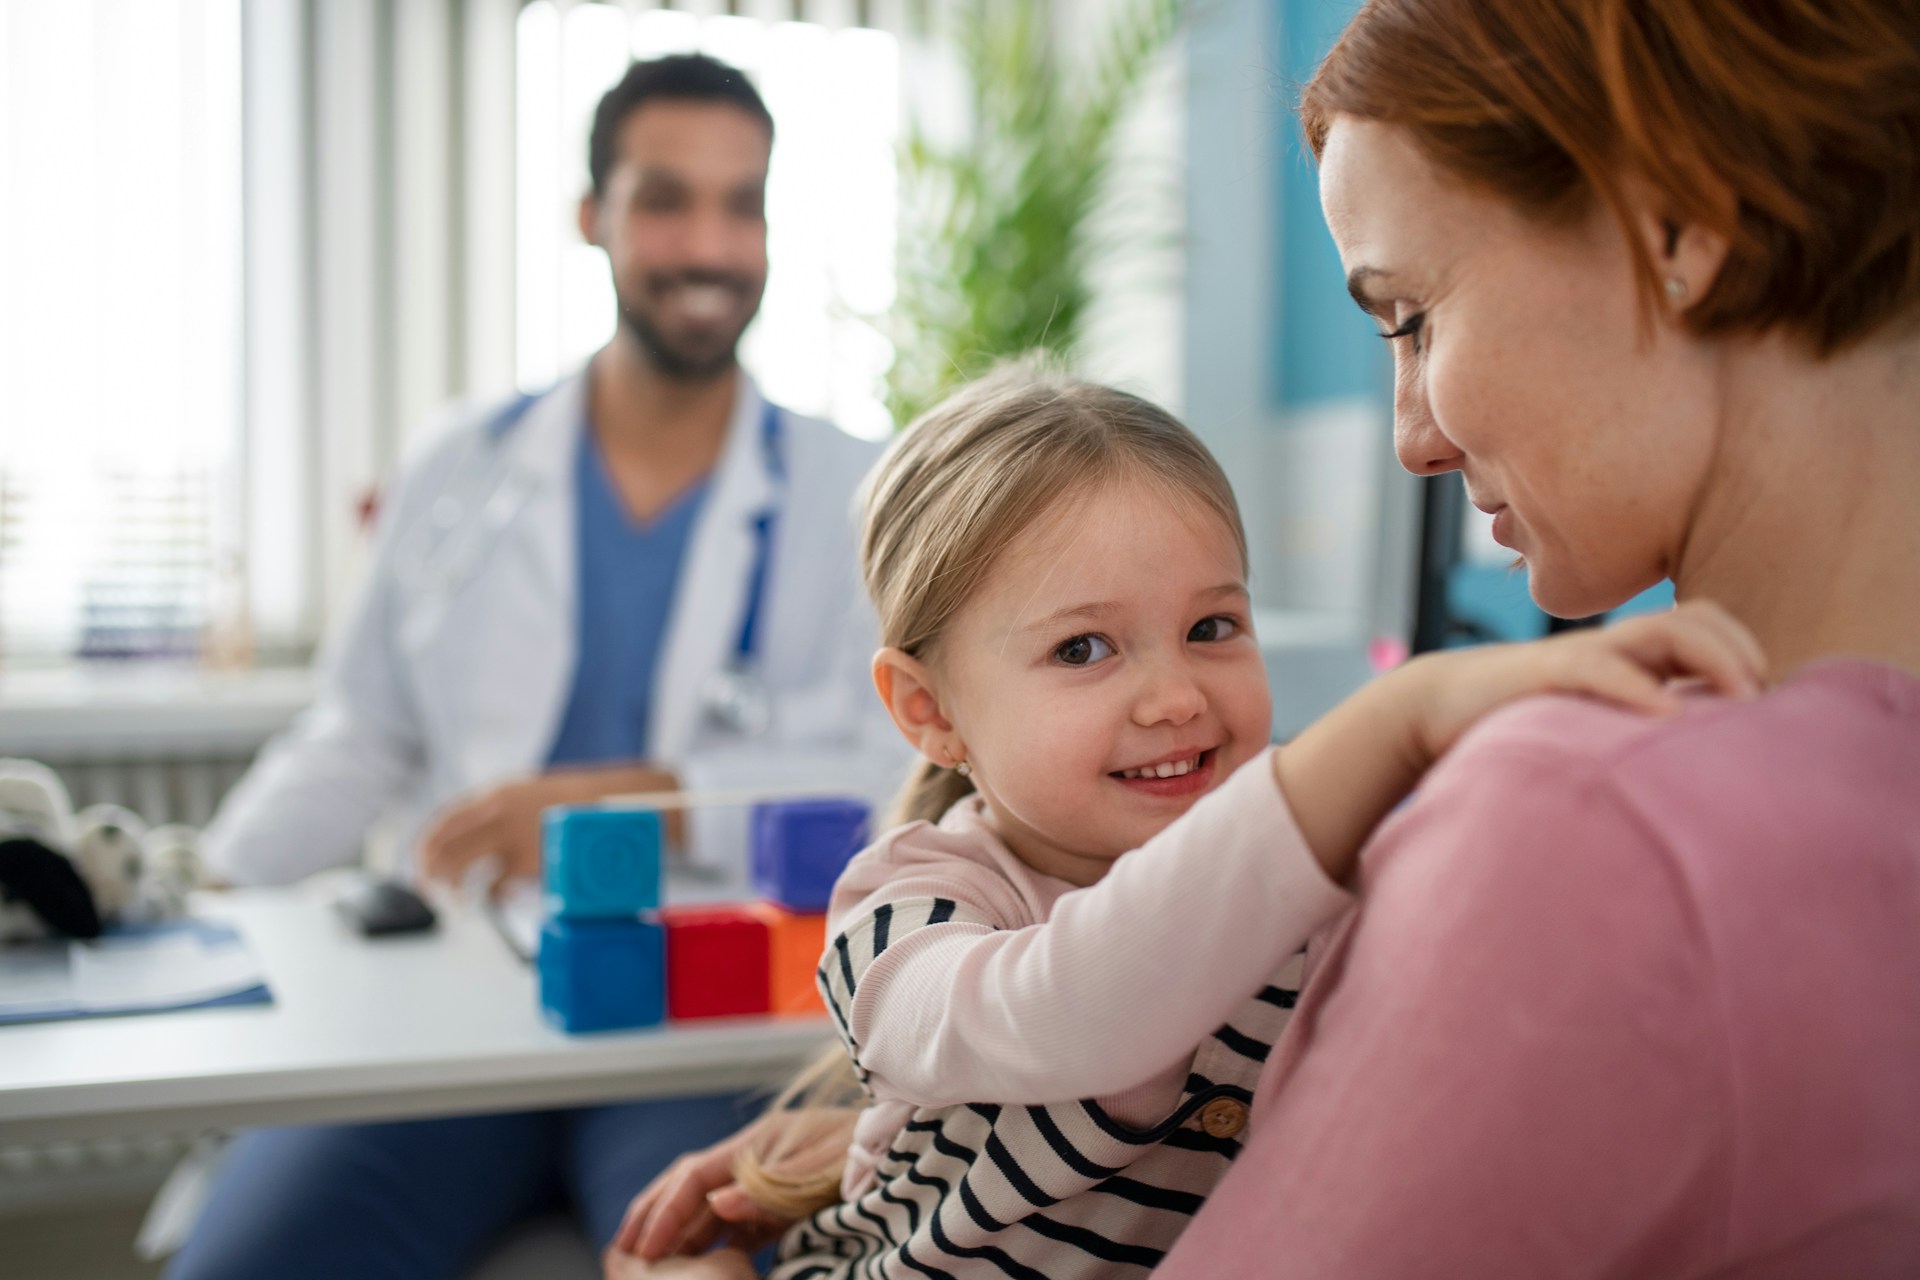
(796, 941)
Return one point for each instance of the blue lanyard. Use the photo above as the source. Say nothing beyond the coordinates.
(773, 456)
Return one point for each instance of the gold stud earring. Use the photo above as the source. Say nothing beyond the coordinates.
(964, 769)
(1676, 288)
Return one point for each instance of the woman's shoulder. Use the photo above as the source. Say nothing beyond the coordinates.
(1815, 763)
(1813, 723)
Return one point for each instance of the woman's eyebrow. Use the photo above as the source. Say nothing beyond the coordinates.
(1357, 281)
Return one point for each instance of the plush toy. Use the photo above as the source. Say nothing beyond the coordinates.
(41, 890)
(171, 869)
(106, 849)
(39, 885)
(77, 873)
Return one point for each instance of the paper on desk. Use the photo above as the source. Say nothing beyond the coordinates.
(177, 965)
(519, 909)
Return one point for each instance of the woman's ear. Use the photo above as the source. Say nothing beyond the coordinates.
(1687, 249)
(906, 687)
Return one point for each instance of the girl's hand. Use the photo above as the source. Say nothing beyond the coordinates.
(1347, 770)
(691, 1205)
(1632, 663)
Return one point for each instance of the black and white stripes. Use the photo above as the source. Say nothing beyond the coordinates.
(1032, 1192)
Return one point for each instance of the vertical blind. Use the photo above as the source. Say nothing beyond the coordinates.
(119, 324)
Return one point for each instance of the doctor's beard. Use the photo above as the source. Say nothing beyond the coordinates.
(693, 357)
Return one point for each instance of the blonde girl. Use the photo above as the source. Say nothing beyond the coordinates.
(1061, 1043)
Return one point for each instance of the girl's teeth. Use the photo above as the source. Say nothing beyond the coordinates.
(1172, 769)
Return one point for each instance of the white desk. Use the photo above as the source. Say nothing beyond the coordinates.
(431, 1024)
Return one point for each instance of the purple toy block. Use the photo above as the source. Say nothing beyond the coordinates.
(801, 846)
(598, 975)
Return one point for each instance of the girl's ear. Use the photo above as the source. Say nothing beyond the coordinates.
(906, 688)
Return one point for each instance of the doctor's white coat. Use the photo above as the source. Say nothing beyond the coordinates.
(453, 668)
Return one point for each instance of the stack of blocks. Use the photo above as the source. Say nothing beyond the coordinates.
(611, 955)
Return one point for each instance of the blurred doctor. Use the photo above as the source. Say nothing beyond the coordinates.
(643, 579)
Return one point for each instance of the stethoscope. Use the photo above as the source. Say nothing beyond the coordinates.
(450, 549)
(736, 697)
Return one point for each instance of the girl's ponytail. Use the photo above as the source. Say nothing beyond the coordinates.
(929, 793)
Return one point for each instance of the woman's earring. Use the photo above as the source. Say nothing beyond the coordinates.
(964, 769)
(1676, 288)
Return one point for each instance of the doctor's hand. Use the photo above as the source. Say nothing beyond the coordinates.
(504, 819)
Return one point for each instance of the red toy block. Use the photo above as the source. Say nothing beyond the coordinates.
(797, 941)
(718, 961)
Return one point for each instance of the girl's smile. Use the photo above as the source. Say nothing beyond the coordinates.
(1104, 676)
(1186, 774)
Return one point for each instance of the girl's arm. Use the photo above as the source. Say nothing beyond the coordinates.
(1347, 770)
(942, 997)
(939, 1006)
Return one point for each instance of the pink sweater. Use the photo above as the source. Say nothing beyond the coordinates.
(1061, 1075)
(1045, 993)
(1624, 998)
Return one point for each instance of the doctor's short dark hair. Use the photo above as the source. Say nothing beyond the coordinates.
(680, 77)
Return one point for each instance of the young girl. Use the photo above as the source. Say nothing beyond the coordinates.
(1060, 1043)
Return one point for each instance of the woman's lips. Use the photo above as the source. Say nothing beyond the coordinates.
(1503, 523)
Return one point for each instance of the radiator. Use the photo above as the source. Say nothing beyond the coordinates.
(159, 789)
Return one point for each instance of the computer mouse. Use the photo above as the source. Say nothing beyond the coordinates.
(380, 907)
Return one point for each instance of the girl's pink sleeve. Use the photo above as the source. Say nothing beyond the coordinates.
(1117, 986)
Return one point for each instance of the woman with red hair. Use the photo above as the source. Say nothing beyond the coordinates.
(1627, 997)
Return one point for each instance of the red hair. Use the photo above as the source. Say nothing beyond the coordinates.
(1807, 113)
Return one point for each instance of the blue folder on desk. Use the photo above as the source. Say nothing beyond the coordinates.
(178, 964)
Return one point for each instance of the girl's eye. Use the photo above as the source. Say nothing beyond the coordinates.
(1082, 650)
(1409, 328)
(1212, 630)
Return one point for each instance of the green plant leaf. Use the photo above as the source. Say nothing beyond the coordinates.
(995, 249)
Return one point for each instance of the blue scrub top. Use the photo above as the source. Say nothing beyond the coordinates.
(628, 570)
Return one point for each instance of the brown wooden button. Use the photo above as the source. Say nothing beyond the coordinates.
(1224, 1117)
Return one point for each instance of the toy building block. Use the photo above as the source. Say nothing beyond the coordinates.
(600, 864)
(796, 940)
(800, 846)
(598, 975)
(718, 964)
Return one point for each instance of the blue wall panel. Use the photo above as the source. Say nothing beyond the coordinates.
(1323, 348)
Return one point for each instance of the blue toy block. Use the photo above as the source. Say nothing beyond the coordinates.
(598, 975)
(600, 864)
(801, 846)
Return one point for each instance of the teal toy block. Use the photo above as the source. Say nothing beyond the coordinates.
(602, 975)
(600, 864)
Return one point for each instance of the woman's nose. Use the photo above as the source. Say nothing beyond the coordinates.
(1417, 439)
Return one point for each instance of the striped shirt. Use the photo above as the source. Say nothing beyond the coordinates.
(1042, 1109)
